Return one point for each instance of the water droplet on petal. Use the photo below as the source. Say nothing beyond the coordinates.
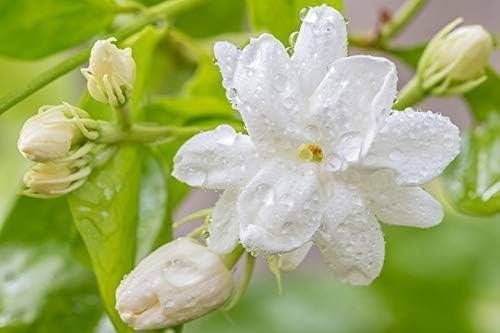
(303, 12)
(264, 193)
(396, 155)
(312, 132)
(293, 38)
(195, 177)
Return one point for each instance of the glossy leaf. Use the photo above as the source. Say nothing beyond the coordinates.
(34, 29)
(42, 287)
(281, 17)
(485, 99)
(473, 179)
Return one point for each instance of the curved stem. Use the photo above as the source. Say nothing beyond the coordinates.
(411, 94)
(244, 282)
(400, 19)
(195, 216)
(151, 15)
(232, 258)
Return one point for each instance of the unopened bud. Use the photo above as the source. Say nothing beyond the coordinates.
(52, 133)
(47, 180)
(178, 282)
(111, 73)
(454, 61)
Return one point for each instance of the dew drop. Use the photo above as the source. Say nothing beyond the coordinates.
(205, 234)
(313, 133)
(181, 273)
(293, 38)
(264, 193)
(396, 155)
(195, 177)
(303, 12)
(279, 82)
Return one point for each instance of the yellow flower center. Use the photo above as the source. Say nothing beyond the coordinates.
(310, 153)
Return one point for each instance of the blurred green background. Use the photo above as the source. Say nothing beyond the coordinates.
(444, 279)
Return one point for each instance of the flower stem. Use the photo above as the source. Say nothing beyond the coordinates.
(232, 258)
(195, 216)
(111, 134)
(400, 19)
(149, 16)
(411, 94)
(244, 282)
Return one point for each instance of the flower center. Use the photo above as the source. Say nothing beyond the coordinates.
(310, 153)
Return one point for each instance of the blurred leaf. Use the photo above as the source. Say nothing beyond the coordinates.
(34, 29)
(212, 18)
(409, 55)
(473, 179)
(309, 304)
(485, 99)
(106, 208)
(42, 288)
(281, 17)
(207, 80)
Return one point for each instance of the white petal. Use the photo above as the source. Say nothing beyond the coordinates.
(217, 159)
(227, 55)
(416, 145)
(268, 97)
(350, 239)
(399, 205)
(224, 228)
(322, 40)
(279, 209)
(291, 260)
(353, 99)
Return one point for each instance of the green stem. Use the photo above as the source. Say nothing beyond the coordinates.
(400, 19)
(244, 282)
(111, 134)
(195, 216)
(151, 15)
(411, 94)
(122, 116)
(232, 258)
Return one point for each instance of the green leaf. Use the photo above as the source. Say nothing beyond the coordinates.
(42, 287)
(409, 55)
(206, 19)
(34, 29)
(473, 179)
(105, 211)
(485, 99)
(153, 205)
(263, 15)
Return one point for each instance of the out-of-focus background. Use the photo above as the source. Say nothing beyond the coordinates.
(445, 279)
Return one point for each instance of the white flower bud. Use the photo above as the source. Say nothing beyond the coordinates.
(178, 282)
(53, 179)
(111, 73)
(454, 60)
(49, 135)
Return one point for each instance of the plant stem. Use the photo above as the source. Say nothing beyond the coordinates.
(411, 94)
(149, 16)
(111, 134)
(244, 282)
(232, 258)
(195, 216)
(401, 18)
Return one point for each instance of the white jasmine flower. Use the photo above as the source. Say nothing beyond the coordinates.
(178, 282)
(454, 61)
(325, 156)
(111, 73)
(52, 133)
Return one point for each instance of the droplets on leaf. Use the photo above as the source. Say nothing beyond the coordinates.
(293, 38)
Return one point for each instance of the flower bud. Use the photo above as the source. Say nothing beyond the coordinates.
(48, 180)
(111, 73)
(454, 60)
(48, 135)
(178, 282)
